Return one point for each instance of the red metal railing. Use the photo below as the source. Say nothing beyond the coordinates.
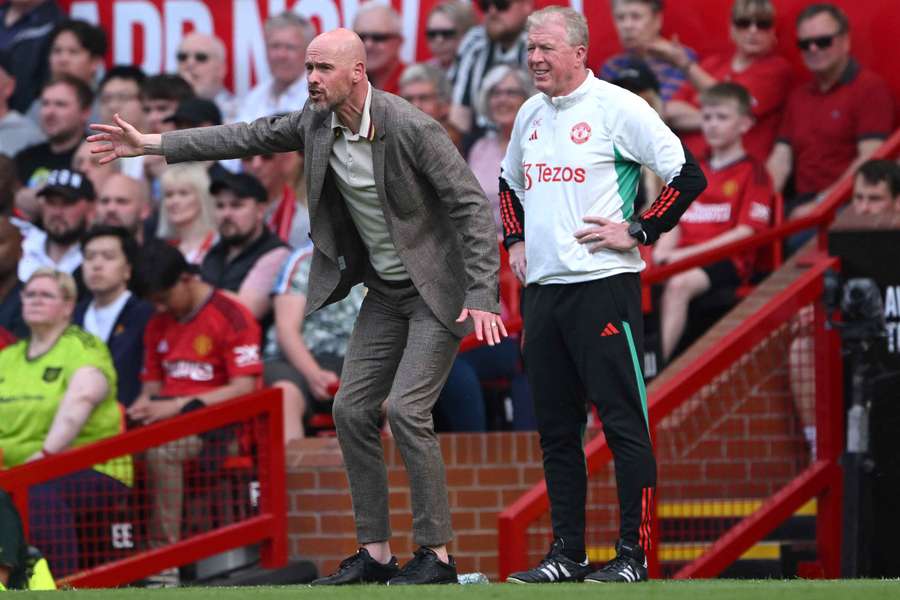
(517, 544)
(821, 479)
(261, 416)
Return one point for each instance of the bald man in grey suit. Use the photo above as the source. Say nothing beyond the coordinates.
(391, 204)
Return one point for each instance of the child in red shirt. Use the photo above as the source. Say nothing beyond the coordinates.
(201, 348)
(736, 204)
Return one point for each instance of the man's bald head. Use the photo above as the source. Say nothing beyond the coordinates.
(123, 202)
(342, 45)
(335, 69)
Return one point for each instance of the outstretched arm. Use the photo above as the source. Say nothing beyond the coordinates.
(122, 140)
(266, 135)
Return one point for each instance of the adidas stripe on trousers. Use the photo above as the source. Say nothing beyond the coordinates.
(583, 343)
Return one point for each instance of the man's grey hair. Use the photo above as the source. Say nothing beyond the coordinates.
(423, 72)
(493, 77)
(379, 6)
(573, 21)
(290, 19)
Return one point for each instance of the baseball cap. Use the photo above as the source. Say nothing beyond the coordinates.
(243, 185)
(194, 111)
(70, 184)
(636, 76)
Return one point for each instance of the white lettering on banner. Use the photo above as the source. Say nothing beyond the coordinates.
(145, 15)
(86, 11)
(892, 301)
(410, 30)
(324, 11)
(349, 8)
(162, 28)
(248, 46)
(892, 313)
(178, 13)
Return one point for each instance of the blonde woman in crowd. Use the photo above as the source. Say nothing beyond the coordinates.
(186, 212)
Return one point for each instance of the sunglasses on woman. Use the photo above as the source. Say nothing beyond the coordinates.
(446, 34)
(761, 24)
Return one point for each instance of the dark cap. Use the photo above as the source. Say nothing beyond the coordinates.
(70, 184)
(242, 184)
(636, 76)
(194, 111)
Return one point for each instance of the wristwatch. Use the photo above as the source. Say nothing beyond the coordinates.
(636, 230)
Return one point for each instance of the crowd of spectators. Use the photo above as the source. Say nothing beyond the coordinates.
(238, 222)
(231, 240)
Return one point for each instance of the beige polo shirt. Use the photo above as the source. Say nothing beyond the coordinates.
(351, 162)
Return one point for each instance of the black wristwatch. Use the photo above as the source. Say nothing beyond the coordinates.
(636, 230)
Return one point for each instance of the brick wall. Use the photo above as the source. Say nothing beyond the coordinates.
(485, 473)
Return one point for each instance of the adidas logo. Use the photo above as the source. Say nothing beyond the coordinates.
(629, 574)
(533, 137)
(610, 329)
(555, 571)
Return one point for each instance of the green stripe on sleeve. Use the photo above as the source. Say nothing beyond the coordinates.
(628, 173)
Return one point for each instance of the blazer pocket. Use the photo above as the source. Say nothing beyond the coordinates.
(403, 195)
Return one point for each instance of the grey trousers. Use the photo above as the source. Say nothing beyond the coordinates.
(401, 353)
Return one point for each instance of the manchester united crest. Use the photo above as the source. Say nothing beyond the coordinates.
(202, 345)
(581, 132)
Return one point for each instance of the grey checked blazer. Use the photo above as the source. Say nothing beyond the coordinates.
(437, 215)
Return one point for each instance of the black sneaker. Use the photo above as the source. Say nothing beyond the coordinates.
(426, 568)
(360, 568)
(629, 566)
(555, 568)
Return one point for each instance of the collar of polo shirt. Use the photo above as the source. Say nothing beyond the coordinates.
(365, 124)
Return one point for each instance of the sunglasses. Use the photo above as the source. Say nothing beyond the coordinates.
(500, 5)
(761, 24)
(447, 34)
(821, 42)
(200, 57)
(377, 38)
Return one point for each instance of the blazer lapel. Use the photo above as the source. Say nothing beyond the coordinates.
(377, 116)
(323, 140)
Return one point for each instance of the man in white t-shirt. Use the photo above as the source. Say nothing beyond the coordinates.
(287, 36)
(567, 190)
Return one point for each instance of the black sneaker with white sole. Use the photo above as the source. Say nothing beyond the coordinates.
(555, 568)
(629, 566)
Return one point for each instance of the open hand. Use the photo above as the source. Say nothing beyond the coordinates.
(117, 141)
(604, 233)
(488, 325)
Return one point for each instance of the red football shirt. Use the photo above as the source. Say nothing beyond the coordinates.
(218, 342)
(768, 81)
(738, 194)
(823, 128)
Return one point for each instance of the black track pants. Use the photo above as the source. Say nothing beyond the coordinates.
(583, 342)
